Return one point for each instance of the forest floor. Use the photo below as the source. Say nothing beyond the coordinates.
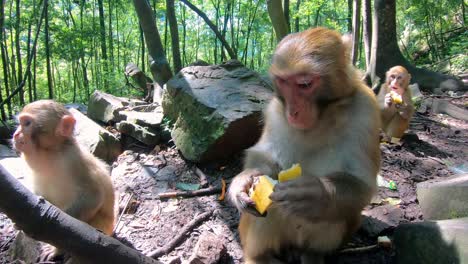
(435, 147)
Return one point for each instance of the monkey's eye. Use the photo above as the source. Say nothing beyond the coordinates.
(25, 122)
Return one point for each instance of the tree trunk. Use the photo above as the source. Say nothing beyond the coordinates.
(350, 16)
(296, 24)
(159, 66)
(102, 30)
(47, 52)
(226, 45)
(367, 30)
(43, 221)
(171, 16)
(356, 30)
(2, 19)
(249, 30)
(18, 50)
(278, 20)
(111, 37)
(286, 14)
(385, 52)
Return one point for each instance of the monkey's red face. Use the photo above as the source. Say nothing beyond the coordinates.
(297, 92)
(397, 81)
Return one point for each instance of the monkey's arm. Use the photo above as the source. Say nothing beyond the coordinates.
(326, 198)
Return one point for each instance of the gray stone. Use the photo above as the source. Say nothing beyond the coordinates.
(145, 115)
(18, 167)
(216, 110)
(101, 106)
(444, 199)
(381, 218)
(146, 135)
(435, 242)
(6, 152)
(210, 249)
(96, 139)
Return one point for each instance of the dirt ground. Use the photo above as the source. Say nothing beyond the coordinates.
(435, 147)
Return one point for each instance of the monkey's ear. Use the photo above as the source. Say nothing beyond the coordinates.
(66, 126)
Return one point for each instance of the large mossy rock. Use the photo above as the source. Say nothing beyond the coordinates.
(216, 110)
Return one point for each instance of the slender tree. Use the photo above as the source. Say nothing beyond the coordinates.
(356, 30)
(213, 27)
(19, 62)
(102, 30)
(2, 18)
(367, 29)
(280, 25)
(50, 83)
(171, 16)
(159, 66)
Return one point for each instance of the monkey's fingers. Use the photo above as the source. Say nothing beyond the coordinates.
(248, 205)
(297, 190)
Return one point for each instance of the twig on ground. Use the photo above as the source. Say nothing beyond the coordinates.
(201, 192)
(180, 236)
(123, 212)
(358, 249)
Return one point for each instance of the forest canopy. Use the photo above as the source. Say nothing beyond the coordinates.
(81, 46)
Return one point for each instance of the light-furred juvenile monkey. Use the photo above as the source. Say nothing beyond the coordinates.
(324, 118)
(66, 175)
(395, 115)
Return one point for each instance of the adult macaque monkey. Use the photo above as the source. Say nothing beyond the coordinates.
(67, 176)
(396, 114)
(324, 118)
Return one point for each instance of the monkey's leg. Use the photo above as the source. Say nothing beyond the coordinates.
(397, 127)
(259, 239)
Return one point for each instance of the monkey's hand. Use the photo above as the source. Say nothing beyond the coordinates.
(239, 191)
(388, 100)
(305, 197)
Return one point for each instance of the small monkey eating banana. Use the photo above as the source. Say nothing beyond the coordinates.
(62, 172)
(395, 102)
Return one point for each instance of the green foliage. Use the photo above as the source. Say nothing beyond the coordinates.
(430, 32)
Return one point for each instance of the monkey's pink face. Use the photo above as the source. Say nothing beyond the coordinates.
(297, 92)
(396, 81)
(22, 141)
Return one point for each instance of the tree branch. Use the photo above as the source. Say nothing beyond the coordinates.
(178, 239)
(43, 221)
(226, 45)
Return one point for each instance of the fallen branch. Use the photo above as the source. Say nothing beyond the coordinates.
(123, 212)
(180, 237)
(201, 192)
(43, 221)
(358, 249)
